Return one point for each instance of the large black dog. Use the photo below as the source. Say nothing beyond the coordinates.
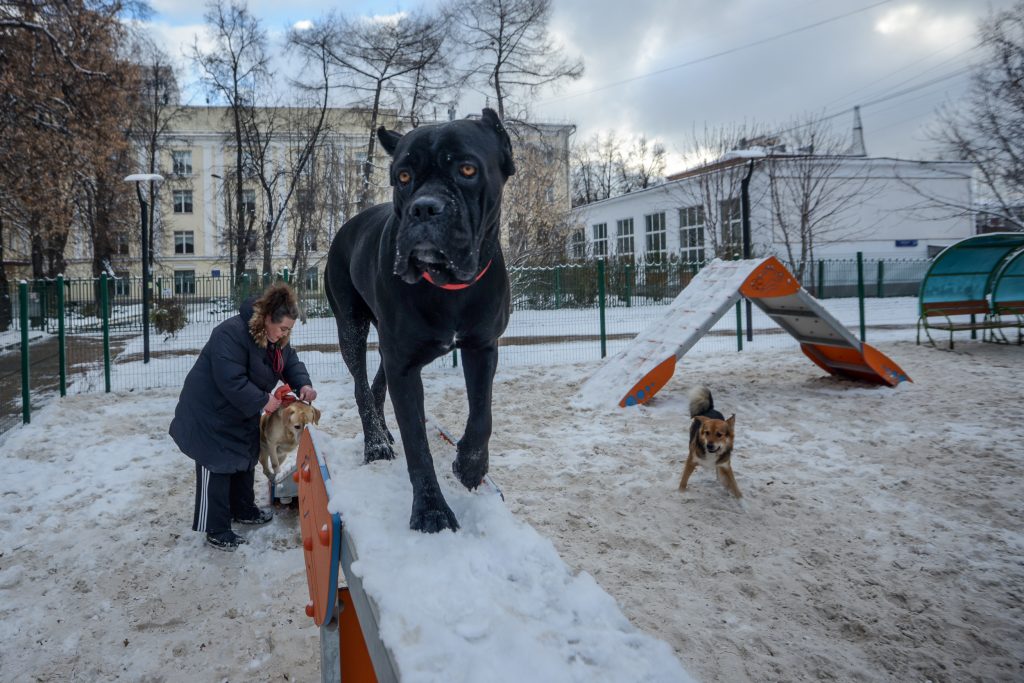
(428, 272)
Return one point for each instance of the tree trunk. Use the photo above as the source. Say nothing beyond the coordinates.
(6, 313)
(364, 195)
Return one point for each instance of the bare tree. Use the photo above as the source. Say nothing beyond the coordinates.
(511, 48)
(233, 70)
(536, 216)
(642, 165)
(985, 127)
(157, 107)
(377, 59)
(813, 190)
(595, 169)
(710, 191)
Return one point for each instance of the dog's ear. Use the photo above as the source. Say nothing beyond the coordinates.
(316, 416)
(731, 421)
(490, 118)
(388, 139)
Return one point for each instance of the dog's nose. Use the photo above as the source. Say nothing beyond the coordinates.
(423, 208)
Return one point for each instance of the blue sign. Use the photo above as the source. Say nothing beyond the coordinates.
(215, 273)
(906, 243)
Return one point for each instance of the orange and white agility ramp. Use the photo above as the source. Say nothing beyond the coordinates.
(640, 370)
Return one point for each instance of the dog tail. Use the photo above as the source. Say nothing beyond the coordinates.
(700, 400)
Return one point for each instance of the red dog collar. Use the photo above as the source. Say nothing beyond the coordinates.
(426, 276)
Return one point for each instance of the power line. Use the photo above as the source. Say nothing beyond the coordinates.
(723, 53)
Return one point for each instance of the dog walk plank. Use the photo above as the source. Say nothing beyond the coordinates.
(492, 601)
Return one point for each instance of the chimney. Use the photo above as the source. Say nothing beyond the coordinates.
(857, 148)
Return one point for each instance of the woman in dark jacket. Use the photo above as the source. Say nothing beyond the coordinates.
(217, 419)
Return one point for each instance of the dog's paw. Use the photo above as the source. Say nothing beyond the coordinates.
(378, 451)
(432, 518)
(470, 471)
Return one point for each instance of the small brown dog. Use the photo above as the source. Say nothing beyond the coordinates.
(711, 439)
(279, 434)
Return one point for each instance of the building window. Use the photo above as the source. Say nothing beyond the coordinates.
(248, 202)
(624, 233)
(184, 242)
(309, 240)
(121, 247)
(578, 244)
(691, 234)
(122, 283)
(655, 233)
(600, 239)
(184, 282)
(311, 280)
(182, 201)
(181, 162)
(732, 228)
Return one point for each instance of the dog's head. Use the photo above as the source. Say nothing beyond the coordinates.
(714, 436)
(297, 415)
(447, 180)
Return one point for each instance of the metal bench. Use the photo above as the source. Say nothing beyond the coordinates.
(947, 309)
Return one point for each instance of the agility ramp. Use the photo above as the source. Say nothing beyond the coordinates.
(491, 602)
(636, 373)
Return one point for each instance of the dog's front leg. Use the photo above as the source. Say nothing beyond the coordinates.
(430, 511)
(478, 367)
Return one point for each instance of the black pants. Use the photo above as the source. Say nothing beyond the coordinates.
(221, 497)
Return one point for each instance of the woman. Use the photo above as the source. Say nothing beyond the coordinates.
(217, 419)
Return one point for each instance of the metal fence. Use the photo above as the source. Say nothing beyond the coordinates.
(567, 313)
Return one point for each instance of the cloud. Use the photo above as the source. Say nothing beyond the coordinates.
(914, 22)
(303, 25)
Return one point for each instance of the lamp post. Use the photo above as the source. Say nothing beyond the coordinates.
(230, 237)
(138, 179)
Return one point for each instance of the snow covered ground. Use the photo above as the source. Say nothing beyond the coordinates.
(880, 537)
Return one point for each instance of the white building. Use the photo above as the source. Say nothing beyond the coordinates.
(883, 207)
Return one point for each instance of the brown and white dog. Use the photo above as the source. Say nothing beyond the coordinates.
(711, 440)
(279, 434)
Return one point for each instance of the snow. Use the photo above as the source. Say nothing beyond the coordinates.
(496, 592)
(879, 537)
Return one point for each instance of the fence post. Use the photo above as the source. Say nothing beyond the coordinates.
(287, 276)
(860, 293)
(739, 325)
(880, 289)
(62, 356)
(821, 279)
(600, 303)
(558, 286)
(629, 284)
(26, 406)
(104, 306)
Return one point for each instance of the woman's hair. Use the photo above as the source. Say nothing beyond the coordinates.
(279, 302)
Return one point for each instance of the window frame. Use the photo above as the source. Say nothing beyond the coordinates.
(188, 242)
(600, 243)
(655, 236)
(186, 201)
(181, 168)
(623, 238)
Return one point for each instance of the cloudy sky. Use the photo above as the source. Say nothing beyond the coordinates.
(656, 67)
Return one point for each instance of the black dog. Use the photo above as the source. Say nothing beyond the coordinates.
(428, 272)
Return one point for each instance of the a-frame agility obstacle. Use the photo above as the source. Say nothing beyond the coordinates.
(636, 373)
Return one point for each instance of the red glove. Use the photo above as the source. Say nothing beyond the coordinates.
(307, 393)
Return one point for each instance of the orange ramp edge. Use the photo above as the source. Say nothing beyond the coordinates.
(316, 542)
(877, 367)
(770, 279)
(652, 382)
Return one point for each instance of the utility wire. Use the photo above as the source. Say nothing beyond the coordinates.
(723, 53)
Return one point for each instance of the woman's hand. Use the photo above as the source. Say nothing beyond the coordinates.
(307, 393)
(272, 404)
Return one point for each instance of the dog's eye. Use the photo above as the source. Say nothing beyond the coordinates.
(467, 170)
(404, 177)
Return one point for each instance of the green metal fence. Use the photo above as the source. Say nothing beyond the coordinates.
(86, 335)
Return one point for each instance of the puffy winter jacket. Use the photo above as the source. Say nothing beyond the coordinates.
(217, 419)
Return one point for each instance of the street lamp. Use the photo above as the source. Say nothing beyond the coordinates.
(138, 179)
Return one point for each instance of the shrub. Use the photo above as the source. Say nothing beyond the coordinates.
(169, 317)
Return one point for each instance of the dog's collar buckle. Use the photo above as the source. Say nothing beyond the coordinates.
(426, 276)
